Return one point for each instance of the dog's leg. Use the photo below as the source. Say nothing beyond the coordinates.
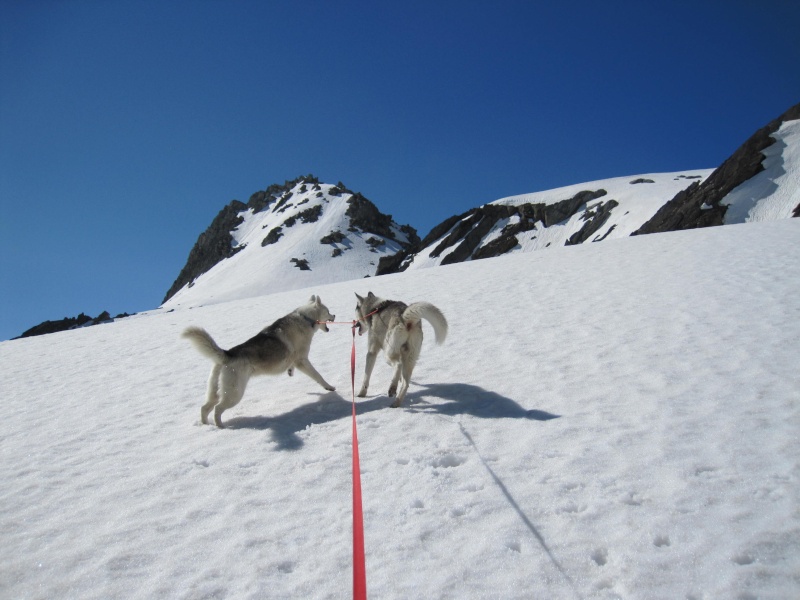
(212, 394)
(307, 368)
(407, 364)
(370, 364)
(393, 387)
(233, 382)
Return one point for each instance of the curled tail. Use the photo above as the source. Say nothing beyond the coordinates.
(427, 311)
(205, 344)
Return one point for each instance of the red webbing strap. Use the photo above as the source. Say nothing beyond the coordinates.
(359, 564)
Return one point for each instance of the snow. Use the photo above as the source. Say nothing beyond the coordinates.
(615, 420)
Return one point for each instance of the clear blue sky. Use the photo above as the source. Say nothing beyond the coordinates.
(125, 126)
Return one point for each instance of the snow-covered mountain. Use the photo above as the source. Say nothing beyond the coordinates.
(760, 181)
(301, 234)
(584, 212)
(307, 233)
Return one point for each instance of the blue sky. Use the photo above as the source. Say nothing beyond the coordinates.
(126, 126)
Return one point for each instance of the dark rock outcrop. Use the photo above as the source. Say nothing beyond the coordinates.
(594, 219)
(68, 323)
(334, 237)
(300, 263)
(466, 231)
(365, 216)
(215, 244)
(273, 236)
(699, 204)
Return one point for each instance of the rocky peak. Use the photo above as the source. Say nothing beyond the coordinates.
(700, 205)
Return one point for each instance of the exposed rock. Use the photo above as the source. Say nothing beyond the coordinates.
(496, 247)
(365, 216)
(606, 234)
(394, 263)
(560, 211)
(699, 204)
(310, 215)
(489, 217)
(273, 236)
(468, 230)
(796, 211)
(641, 180)
(215, 244)
(397, 263)
(334, 237)
(68, 323)
(300, 263)
(594, 219)
(260, 201)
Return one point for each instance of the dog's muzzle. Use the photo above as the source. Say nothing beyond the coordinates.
(360, 326)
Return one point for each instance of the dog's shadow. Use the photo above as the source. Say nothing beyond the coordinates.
(458, 399)
(330, 407)
(466, 399)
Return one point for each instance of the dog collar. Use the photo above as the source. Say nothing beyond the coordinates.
(310, 321)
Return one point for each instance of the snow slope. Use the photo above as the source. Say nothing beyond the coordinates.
(259, 269)
(614, 420)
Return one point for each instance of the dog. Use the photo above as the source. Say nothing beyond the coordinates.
(396, 328)
(279, 347)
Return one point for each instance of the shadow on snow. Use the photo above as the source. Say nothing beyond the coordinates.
(459, 398)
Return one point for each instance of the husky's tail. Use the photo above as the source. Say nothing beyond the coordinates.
(427, 311)
(205, 344)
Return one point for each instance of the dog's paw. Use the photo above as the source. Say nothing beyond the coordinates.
(392, 391)
(330, 388)
(395, 404)
(290, 372)
(362, 393)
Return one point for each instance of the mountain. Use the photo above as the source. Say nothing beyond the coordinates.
(297, 235)
(760, 181)
(567, 216)
(305, 233)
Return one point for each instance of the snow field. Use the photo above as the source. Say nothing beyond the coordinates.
(604, 421)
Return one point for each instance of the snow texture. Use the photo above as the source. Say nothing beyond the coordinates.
(614, 420)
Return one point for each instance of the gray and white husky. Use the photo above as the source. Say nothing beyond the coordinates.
(279, 347)
(396, 328)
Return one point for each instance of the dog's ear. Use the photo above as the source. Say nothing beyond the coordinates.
(313, 299)
(360, 299)
(370, 295)
(317, 300)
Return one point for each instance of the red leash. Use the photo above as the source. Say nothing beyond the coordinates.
(359, 564)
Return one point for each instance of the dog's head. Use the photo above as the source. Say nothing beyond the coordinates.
(364, 308)
(322, 313)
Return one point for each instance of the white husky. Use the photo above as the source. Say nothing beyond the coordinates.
(279, 347)
(396, 328)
